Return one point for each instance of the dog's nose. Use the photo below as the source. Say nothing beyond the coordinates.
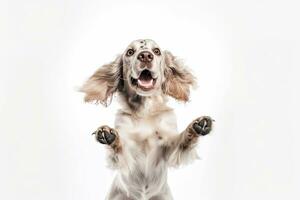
(145, 56)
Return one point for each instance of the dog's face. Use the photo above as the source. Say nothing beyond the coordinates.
(143, 67)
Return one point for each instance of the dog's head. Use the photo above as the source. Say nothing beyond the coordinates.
(143, 69)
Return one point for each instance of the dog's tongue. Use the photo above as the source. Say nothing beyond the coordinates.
(145, 83)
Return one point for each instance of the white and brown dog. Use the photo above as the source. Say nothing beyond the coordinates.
(145, 140)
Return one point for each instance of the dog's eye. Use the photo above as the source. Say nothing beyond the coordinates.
(129, 52)
(157, 51)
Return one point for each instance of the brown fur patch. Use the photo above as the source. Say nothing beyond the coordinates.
(134, 101)
(116, 145)
(158, 135)
(104, 82)
(178, 78)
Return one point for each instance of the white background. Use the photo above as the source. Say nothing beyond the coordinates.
(244, 53)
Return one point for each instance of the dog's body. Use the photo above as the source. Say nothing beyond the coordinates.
(142, 164)
(145, 140)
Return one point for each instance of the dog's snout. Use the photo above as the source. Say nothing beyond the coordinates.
(145, 56)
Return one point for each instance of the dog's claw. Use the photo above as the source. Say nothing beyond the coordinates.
(203, 125)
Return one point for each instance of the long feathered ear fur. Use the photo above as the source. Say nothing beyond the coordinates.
(101, 86)
(178, 78)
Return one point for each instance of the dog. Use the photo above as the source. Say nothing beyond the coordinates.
(145, 142)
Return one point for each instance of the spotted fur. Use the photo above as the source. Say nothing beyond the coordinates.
(147, 141)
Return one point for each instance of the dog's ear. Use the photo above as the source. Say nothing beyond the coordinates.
(178, 79)
(101, 86)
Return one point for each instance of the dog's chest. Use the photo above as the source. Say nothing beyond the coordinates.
(148, 133)
(144, 138)
(147, 130)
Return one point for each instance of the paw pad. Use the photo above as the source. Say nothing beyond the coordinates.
(105, 135)
(203, 125)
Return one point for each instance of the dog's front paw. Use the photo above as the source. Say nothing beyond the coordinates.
(203, 125)
(105, 135)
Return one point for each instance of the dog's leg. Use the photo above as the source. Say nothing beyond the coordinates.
(181, 149)
(108, 136)
(199, 127)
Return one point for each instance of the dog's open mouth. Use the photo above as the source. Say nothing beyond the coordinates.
(145, 81)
